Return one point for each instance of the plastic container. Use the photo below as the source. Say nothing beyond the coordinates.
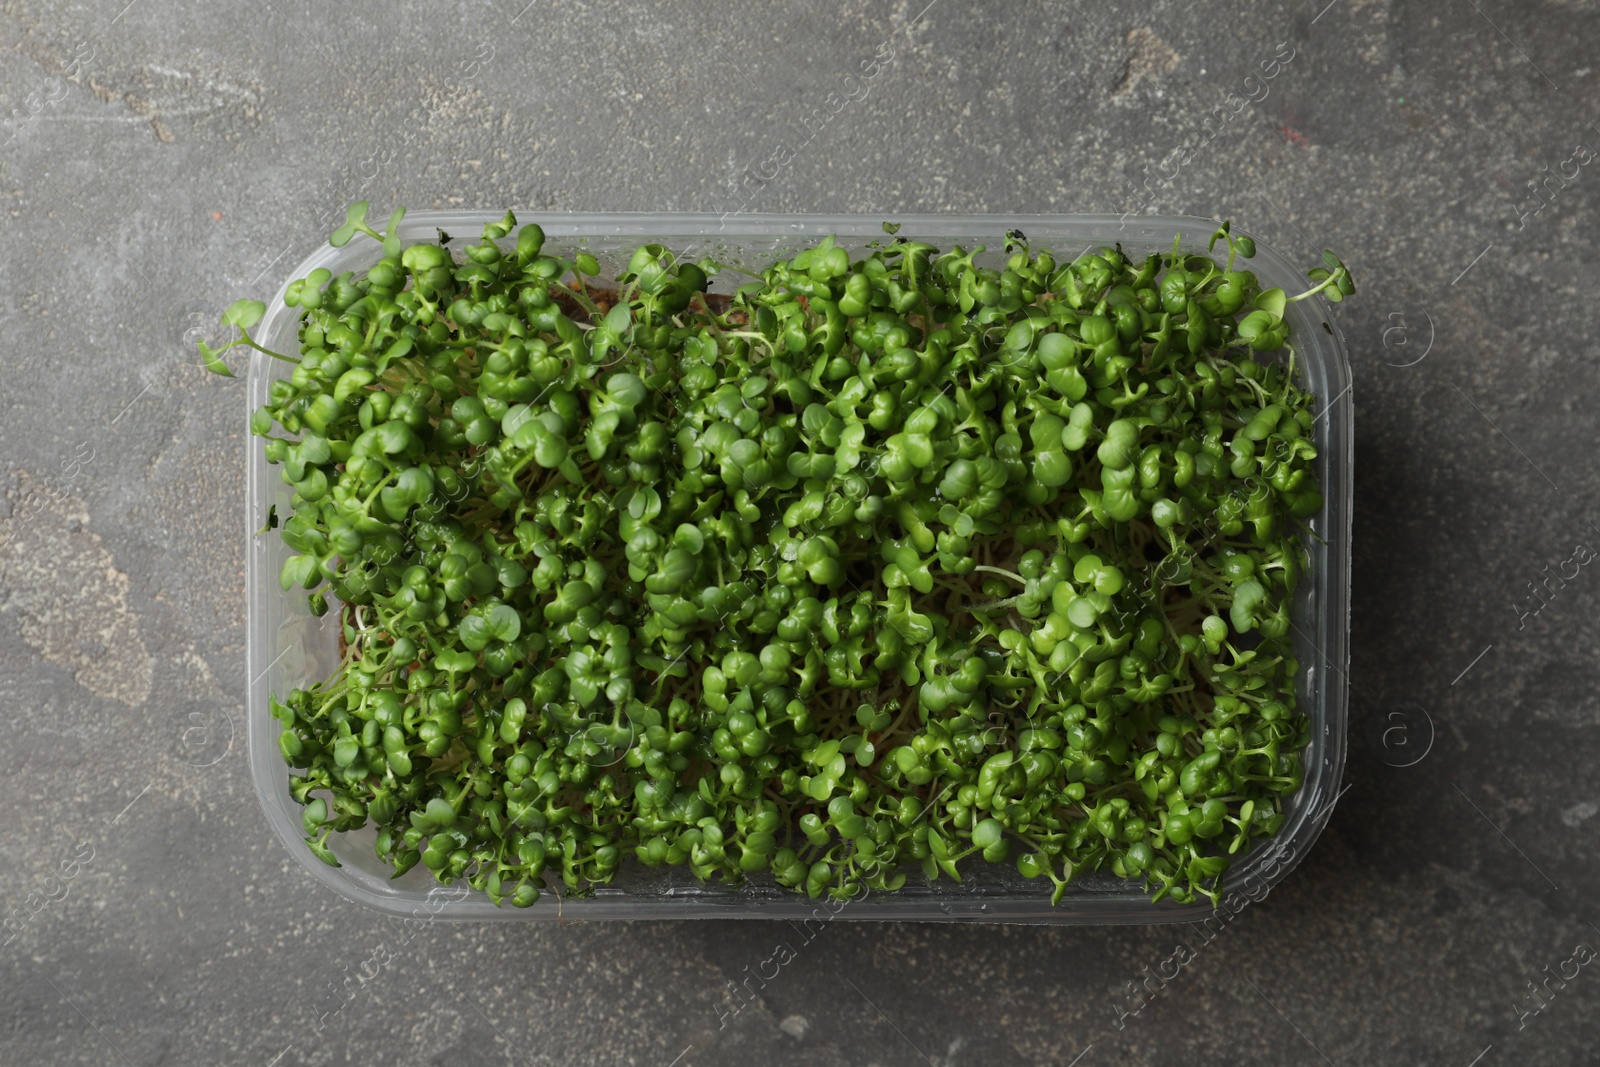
(289, 647)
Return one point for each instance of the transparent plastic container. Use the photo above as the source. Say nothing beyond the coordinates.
(289, 647)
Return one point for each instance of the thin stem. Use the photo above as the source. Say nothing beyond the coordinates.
(581, 295)
(367, 503)
(245, 340)
(1331, 279)
(1015, 577)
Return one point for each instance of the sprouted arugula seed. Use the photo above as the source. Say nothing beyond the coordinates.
(890, 559)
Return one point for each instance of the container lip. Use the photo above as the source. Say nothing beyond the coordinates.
(741, 223)
(735, 224)
(1325, 672)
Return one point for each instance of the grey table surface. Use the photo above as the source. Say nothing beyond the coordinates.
(162, 160)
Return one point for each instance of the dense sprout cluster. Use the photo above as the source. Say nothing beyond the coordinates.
(877, 564)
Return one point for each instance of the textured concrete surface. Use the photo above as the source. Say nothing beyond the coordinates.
(158, 156)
